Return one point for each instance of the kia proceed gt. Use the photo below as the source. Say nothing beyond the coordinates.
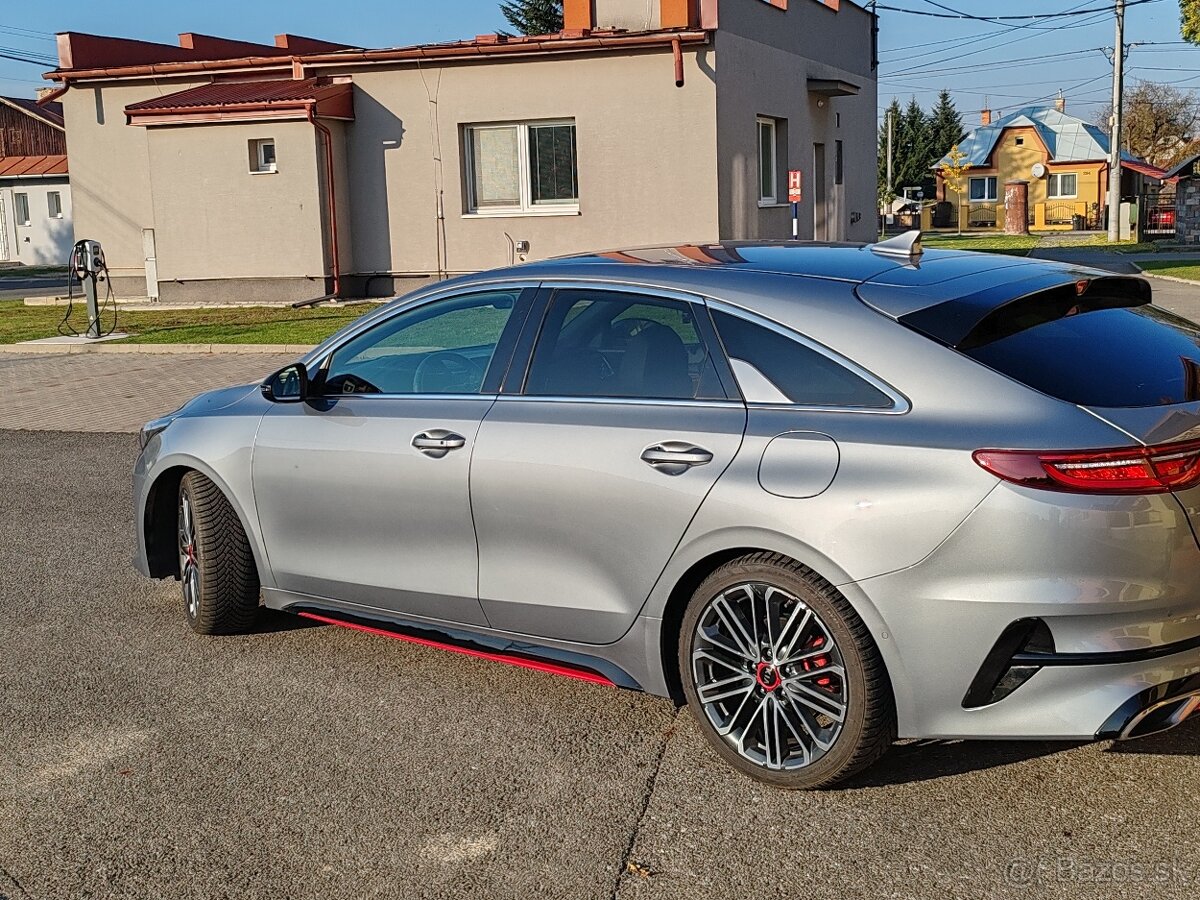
(827, 495)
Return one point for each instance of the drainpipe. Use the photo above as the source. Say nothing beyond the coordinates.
(677, 47)
(335, 263)
(52, 95)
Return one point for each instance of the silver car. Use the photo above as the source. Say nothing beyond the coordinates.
(828, 495)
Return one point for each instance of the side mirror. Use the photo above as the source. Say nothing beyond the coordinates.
(288, 385)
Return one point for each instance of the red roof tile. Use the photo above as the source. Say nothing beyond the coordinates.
(286, 92)
(28, 166)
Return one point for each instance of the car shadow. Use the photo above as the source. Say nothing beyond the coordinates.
(273, 621)
(925, 760)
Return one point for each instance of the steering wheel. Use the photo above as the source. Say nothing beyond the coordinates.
(349, 384)
(447, 372)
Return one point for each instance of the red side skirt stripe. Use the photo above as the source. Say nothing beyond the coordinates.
(536, 665)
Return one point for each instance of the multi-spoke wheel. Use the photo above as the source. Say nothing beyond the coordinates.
(216, 566)
(783, 675)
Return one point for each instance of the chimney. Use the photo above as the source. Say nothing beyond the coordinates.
(985, 117)
(1060, 102)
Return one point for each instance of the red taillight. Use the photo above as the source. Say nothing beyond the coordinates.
(1134, 470)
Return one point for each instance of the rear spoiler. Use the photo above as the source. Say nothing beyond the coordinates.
(1005, 309)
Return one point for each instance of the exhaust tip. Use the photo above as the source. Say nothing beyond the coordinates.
(1161, 717)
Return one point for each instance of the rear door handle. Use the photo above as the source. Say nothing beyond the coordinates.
(675, 457)
(437, 442)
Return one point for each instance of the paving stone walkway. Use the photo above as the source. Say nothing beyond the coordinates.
(100, 392)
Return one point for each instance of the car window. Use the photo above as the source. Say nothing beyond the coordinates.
(444, 347)
(616, 344)
(773, 368)
(1137, 357)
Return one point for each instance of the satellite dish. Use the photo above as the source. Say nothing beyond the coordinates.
(1038, 170)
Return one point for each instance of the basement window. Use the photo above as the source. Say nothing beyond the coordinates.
(21, 208)
(521, 168)
(54, 204)
(262, 155)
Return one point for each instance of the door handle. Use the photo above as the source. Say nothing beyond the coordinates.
(438, 442)
(675, 457)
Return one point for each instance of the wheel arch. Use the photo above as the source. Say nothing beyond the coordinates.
(686, 572)
(160, 512)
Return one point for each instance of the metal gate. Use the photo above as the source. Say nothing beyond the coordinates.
(1158, 215)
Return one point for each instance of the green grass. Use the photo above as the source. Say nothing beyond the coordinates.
(242, 325)
(1012, 244)
(1172, 269)
(29, 271)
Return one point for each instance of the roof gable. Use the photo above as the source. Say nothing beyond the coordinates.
(49, 114)
(1067, 138)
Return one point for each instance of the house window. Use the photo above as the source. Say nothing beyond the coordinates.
(983, 188)
(21, 204)
(262, 155)
(54, 204)
(1062, 184)
(768, 161)
(1020, 142)
(528, 168)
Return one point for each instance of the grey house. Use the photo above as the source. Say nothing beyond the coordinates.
(305, 168)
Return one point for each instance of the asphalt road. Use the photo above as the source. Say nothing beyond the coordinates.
(140, 760)
(15, 288)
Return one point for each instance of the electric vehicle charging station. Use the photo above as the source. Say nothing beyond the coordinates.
(88, 262)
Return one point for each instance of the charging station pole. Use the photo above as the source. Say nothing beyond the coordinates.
(93, 306)
(88, 262)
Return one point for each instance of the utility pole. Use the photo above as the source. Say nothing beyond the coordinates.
(1114, 155)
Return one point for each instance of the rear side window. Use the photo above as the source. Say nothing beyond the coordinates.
(1136, 357)
(773, 368)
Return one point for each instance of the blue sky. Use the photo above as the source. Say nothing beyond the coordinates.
(1005, 64)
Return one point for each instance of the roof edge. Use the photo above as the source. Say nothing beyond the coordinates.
(546, 45)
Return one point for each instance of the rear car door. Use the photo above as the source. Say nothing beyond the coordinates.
(362, 492)
(588, 470)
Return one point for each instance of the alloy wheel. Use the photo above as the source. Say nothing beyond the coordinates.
(769, 676)
(189, 564)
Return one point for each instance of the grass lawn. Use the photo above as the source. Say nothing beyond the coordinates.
(243, 325)
(1172, 269)
(1012, 244)
(30, 271)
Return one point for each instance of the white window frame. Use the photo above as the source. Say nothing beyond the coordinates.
(258, 162)
(761, 122)
(57, 201)
(989, 181)
(1054, 186)
(22, 216)
(525, 205)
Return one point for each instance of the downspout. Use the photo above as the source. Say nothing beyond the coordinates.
(335, 263)
(53, 95)
(677, 47)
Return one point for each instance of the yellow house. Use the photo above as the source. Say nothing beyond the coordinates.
(1063, 158)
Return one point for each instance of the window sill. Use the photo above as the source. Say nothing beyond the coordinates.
(264, 171)
(772, 204)
(521, 213)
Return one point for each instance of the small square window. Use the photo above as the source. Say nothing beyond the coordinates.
(262, 155)
(1020, 142)
(54, 204)
(21, 208)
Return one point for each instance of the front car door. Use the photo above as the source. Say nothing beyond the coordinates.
(362, 492)
(588, 470)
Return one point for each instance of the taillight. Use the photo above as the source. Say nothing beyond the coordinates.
(1132, 470)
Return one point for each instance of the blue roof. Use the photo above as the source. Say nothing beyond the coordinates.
(1069, 139)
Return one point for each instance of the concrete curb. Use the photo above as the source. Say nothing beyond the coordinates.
(1174, 278)
(236, 349)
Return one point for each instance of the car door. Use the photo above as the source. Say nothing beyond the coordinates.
(587, 472)
(362, 492)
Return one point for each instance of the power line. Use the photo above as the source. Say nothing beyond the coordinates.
(4, 54)
(955, 14)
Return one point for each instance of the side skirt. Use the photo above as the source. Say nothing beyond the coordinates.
(519, 653)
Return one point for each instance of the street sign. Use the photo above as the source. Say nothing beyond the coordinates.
(795, 186)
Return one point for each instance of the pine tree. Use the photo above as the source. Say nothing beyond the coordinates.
(946, 126)
(534, 16)
(914, 157)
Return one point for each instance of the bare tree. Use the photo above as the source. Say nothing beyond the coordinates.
(1160, 121)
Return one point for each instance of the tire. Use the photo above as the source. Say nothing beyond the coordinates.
(827, 711)
(218, 577)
